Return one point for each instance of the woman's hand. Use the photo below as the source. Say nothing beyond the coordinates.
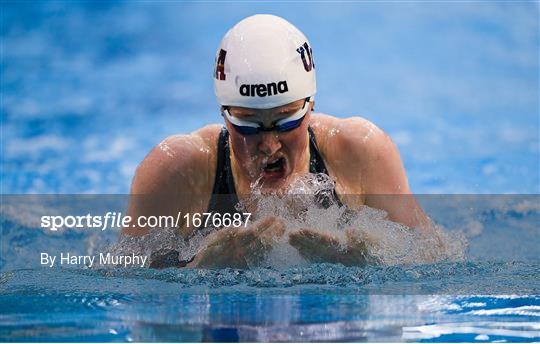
(317, 247)
(238, 247)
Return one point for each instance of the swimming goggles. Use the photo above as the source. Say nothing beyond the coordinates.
(252, 128)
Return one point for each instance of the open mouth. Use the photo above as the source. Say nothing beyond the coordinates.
(275, 168)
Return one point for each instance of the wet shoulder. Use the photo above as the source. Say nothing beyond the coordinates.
(352, 133)
(180, 162)
(349, 147)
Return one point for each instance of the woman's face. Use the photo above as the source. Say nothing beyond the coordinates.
(269, 158)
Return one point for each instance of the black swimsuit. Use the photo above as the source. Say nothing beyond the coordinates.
(224, 198)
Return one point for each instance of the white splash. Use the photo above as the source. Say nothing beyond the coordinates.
(389, 243)
(300, 206)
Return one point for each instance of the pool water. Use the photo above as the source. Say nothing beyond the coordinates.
(121, 306)
(88, 88)
(491, 295)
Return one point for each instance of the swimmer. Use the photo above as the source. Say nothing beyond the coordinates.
(264, 80)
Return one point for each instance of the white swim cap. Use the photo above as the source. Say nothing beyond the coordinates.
(263, 62)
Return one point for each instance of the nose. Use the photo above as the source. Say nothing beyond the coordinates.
(270, 143)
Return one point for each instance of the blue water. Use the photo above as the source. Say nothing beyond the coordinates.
(88, 88)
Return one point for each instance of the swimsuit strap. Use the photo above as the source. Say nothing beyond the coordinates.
(316, 165)
(316, 162)
(224, 182)
(224, 198)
